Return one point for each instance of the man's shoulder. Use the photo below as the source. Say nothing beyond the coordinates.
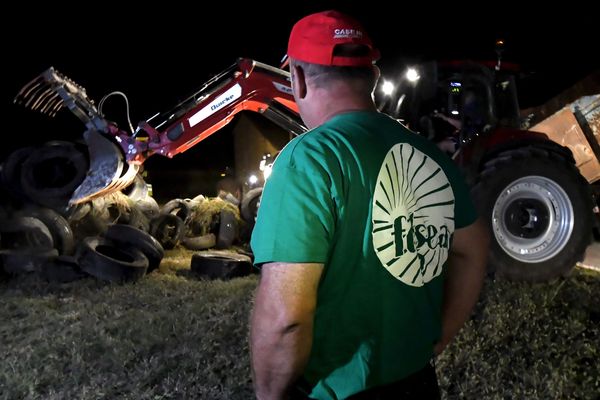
(313, 142)
(300, 151)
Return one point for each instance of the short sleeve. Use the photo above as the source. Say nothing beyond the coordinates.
(296, 217)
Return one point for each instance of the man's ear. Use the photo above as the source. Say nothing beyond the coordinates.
(299, 81)
(376, 76)
(376, 73)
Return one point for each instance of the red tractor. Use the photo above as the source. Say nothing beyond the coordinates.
(525, 182)
(527, 186)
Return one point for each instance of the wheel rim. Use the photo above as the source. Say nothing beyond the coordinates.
(532, 219)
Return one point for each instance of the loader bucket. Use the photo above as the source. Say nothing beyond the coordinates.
(107, 172)
(51, 92)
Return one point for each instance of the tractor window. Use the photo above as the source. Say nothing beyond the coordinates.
(473, 110)
(507, 105)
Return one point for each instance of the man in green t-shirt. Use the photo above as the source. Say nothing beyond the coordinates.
(370, 254)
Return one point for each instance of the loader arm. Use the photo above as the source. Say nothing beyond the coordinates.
(247, 85)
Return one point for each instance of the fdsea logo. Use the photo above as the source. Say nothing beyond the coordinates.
(413, 216)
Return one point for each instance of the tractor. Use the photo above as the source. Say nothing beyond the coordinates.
(532, 183)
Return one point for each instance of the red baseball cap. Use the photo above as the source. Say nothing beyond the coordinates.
(314, 38)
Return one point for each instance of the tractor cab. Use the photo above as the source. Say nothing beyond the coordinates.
(455, 100)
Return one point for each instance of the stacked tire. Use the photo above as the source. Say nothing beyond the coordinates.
(124, 254)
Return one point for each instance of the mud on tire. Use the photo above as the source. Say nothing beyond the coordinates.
(539, 211)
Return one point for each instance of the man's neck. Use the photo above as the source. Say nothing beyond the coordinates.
(342, 101)
(339, 111)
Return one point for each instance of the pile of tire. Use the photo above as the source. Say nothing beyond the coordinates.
(197, 224)
(45, 175)
(40, 233)
(124, 254)
(118, 237)
(38, 240)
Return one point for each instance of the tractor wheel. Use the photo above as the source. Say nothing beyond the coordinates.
(539, 211)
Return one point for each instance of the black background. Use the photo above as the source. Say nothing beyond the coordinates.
(159, 54)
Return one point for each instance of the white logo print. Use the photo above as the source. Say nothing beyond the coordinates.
(347, 33)
(413, 216)
(283, 88)
(230, 95)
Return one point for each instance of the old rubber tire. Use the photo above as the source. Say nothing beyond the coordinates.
(539, 211)
(62, 269)
(59, 228)
(24, 232)
(221, 265)
(127, 235)
(227, 229)
(249, 206)
(199, 242)
(11, 171)
(137, 190)
(20, 261)
(106, 260)
(179, 207)
(148, 206)
(51, 174)
(168, 229)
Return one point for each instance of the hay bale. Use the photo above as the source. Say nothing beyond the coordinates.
(205, 213)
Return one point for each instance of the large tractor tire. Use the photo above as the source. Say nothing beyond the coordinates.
(539, 210)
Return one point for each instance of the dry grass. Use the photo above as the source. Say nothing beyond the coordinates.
(121, 203)
(172, 336)
(529, 341)
(167, 336)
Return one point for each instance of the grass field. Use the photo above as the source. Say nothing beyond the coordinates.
(172, 336)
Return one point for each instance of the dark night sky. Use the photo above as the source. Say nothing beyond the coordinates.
(157, 55)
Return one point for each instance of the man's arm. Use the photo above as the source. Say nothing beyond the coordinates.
(464, 279)
(282, 326)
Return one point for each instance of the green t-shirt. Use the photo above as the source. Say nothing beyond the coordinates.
(377, 204)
